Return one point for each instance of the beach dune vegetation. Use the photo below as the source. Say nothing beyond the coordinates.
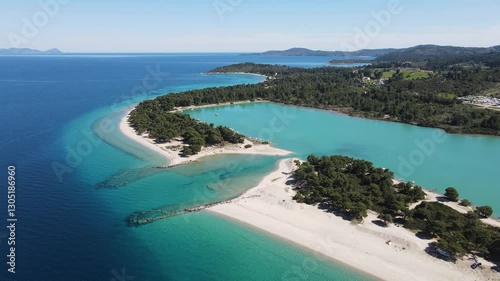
(163, 126)
(451, 194)
(350, 187)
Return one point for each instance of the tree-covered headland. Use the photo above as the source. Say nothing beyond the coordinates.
(164, 125)
(350, 187)
(429, 100)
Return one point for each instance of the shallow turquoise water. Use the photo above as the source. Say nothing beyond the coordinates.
(182, 246)
(198, 246)
(430, 157)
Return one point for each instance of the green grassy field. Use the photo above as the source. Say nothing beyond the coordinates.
(407, 74)
(411, 75)
(388, 74)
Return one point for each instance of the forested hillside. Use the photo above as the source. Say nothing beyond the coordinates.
(308, 52)
(441, 58)
(427, 52)
(430, 102)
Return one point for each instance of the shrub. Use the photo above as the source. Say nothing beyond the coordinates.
(485, 211)
(452, 194)
(386, 218)
(465, 202)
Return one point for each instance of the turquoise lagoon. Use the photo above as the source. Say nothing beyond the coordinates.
(430, 157)
(185, 240)
(253, 255)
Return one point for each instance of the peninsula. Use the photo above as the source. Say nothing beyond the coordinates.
(416, 53)
(386, 251)
(308, 52)
(193, 140)
(394, 92)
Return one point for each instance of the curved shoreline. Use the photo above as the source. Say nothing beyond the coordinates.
(356, 114)
(192, 107)
(269, 207)
(242, 73)
(169, 151)
(361, 247)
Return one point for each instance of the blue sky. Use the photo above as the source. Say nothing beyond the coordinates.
(245, 25)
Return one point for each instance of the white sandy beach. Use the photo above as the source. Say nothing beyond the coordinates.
(433, 196)
(172, 149)
(269, 207)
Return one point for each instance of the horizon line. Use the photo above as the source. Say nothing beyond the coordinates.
(240, 52)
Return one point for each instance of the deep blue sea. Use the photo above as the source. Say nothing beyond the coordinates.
(69, 229)
(58, 128)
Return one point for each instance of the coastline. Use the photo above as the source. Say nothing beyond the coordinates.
(432, 196)
(269, 207)
(357, 114)
(384, 119)
(171, 149)
(192, 107)
(243, 73)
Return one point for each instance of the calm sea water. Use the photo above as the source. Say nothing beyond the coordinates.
(56, 112)
(70, 229)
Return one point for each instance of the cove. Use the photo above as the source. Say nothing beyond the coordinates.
(433, 159)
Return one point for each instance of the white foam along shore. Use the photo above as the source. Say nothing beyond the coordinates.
(171, 150)
(269, 206)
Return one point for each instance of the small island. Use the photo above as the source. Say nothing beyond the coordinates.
(28, 51)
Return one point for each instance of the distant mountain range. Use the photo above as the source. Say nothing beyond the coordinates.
(27, 51)
(426, 52)
(417, 53)
(308, 52)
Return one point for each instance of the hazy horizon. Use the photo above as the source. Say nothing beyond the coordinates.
(235, 52)
(244, 26)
